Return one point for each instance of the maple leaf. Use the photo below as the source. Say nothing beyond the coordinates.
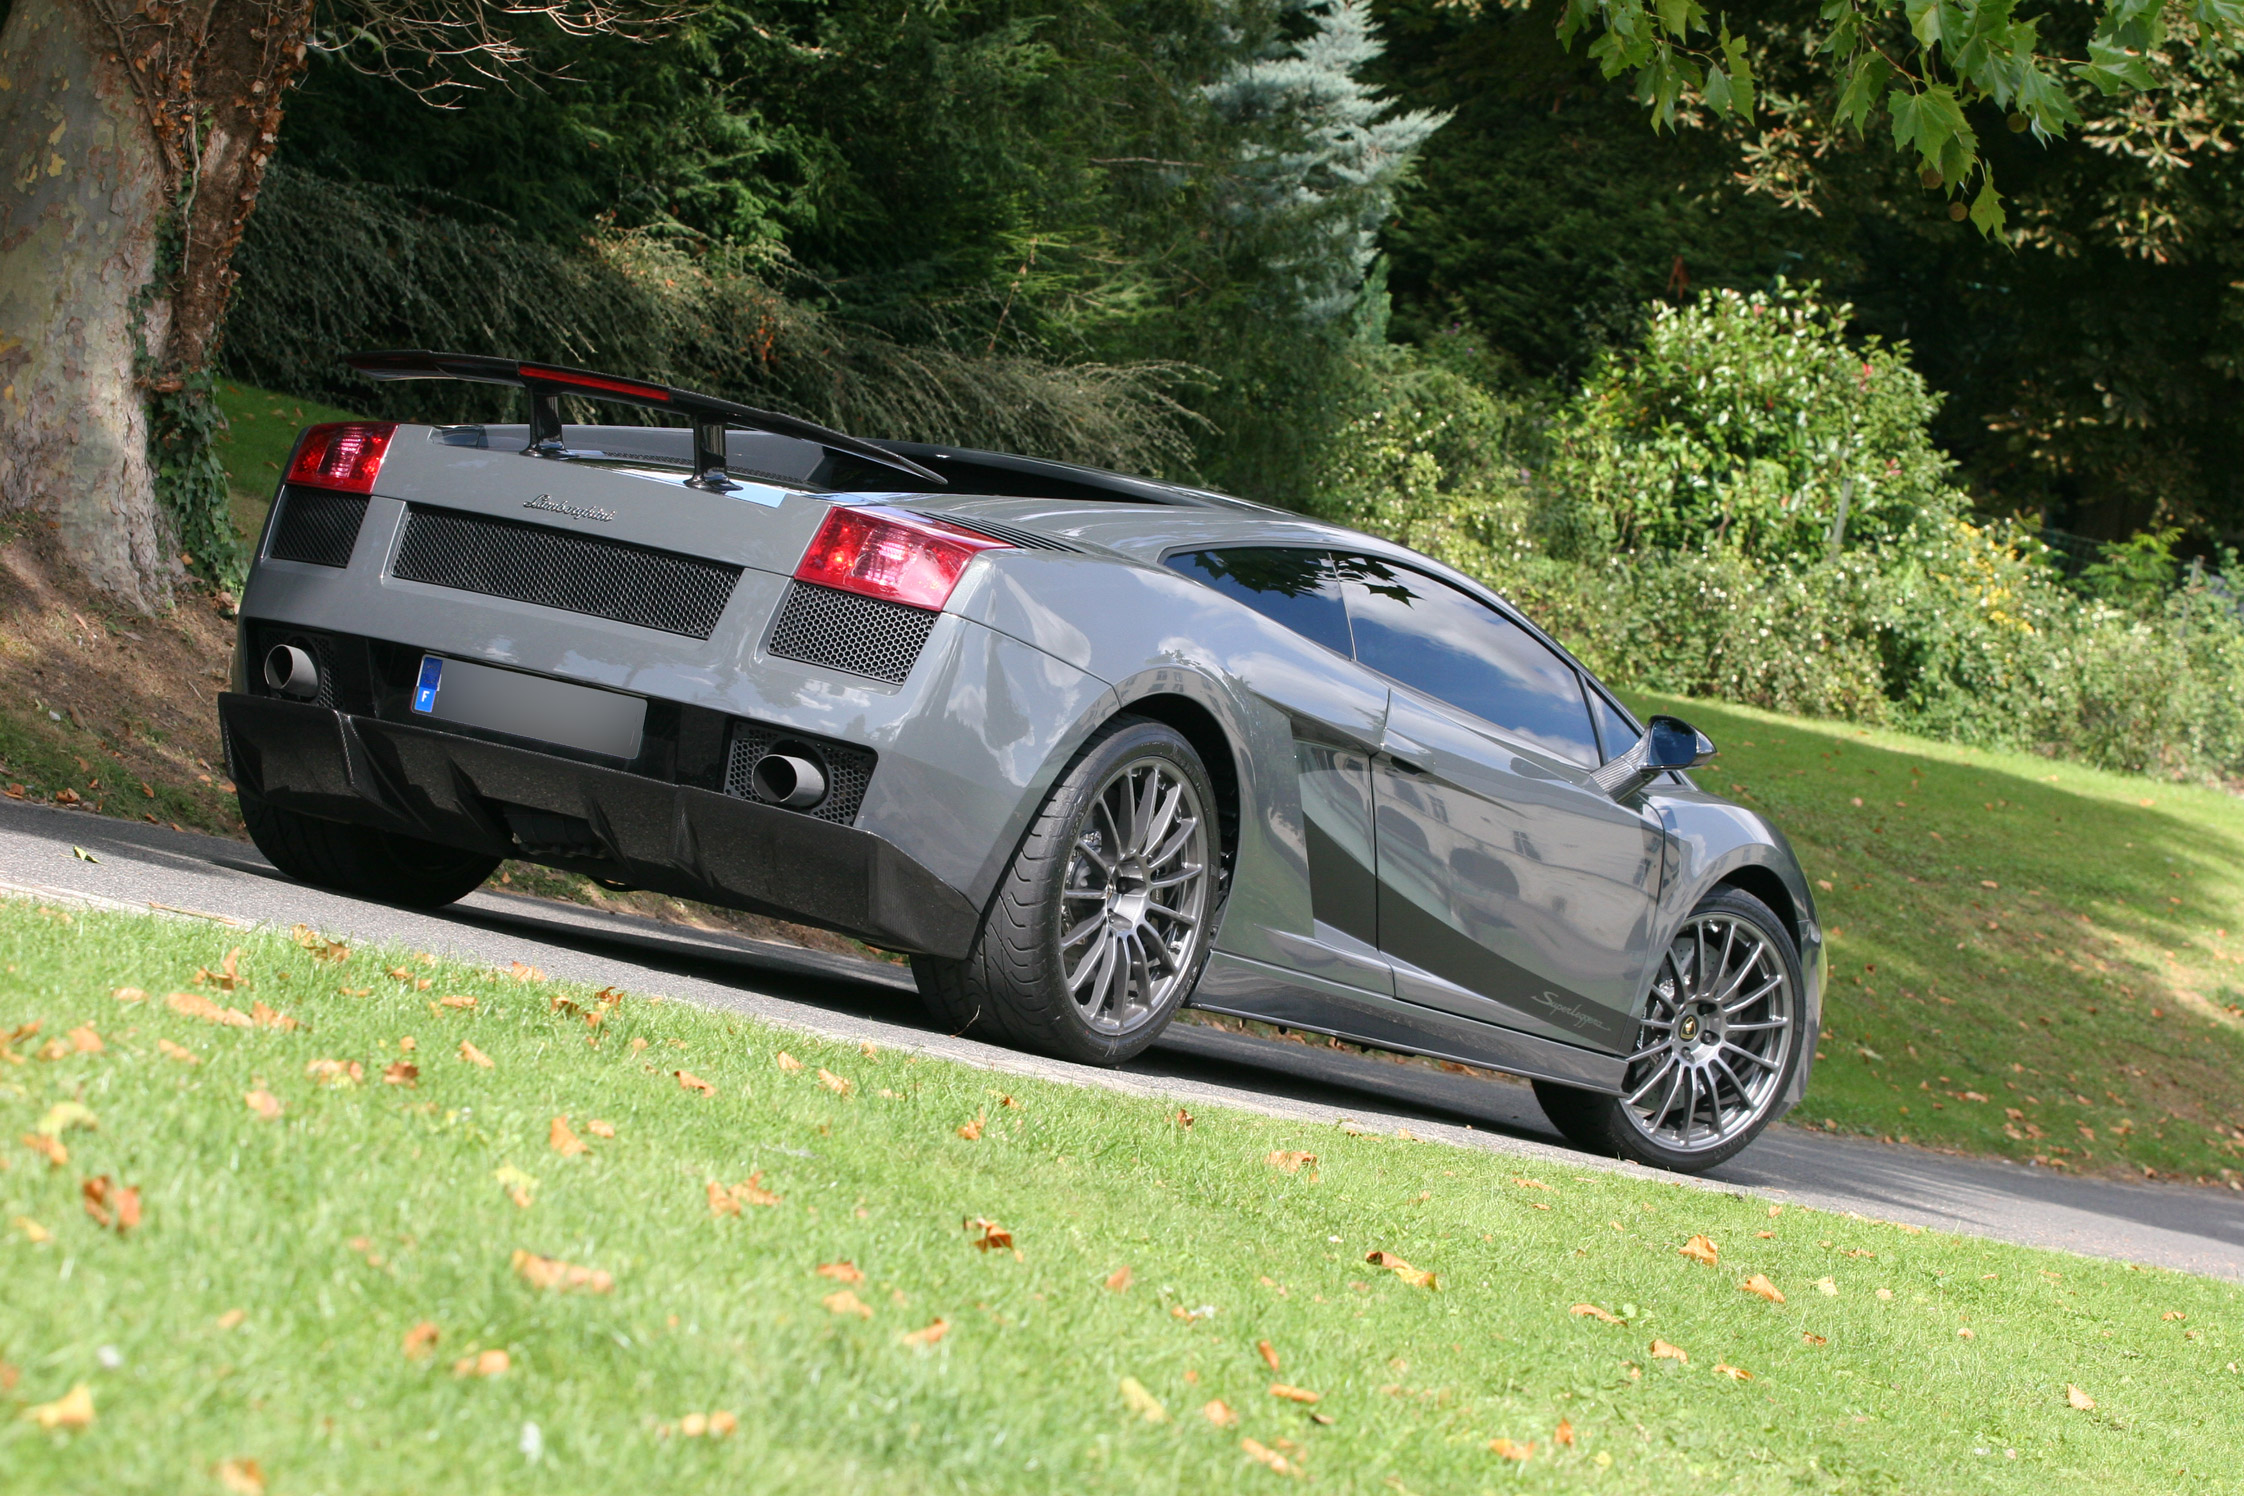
(992, 1237)
(74, 1409)
(1507, 1449)
(2079, 1399)
(420, 1341)
(1262, 1454)
(1292, 1162)
(561, 1140)
(1268, 1352)
(688, 1081)
(1142, 1402)
(927, 1335)
(721, 1201)
(179, 1052)
(1220, 1413)
(1699, 1249)
(835, 1083)
(474, 1056)
(195, 1005)
(1758, 1284)
(1591, 1311)
(841, 1272)
(1403, 1270)
(1662, 1351)
(1119, 1279)
(552, 1273)
(971, 1131)
(491, 1363)
(263, 1102)
(842, 1301)
(400, 1073)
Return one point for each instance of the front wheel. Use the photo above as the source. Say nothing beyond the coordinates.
(1101, 925)
(1715, 1049)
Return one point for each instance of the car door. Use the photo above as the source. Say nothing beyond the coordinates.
(1510, 889)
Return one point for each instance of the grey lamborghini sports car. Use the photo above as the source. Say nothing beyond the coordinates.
(1087, 748)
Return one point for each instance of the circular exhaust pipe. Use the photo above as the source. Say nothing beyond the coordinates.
(290, 671)
(785, 779)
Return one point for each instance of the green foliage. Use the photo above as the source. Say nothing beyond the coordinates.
(183, 430)
(2135, 574)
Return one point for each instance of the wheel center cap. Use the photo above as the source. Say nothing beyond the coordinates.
(1688, 1029)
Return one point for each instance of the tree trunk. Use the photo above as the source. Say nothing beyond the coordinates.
(80, 212)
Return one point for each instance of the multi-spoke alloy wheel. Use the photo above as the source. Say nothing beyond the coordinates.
(1135, 895)
(1712, 1048)
(1100, 927)
(1716, 1050)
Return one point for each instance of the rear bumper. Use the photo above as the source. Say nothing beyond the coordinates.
(694, 843)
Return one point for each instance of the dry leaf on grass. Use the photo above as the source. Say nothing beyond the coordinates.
(842, 1301)
(400, 1073)
(1293, 1162)
(835, 1083)
(2079, 1399)
(1294, 1394)
(458, 1000)
(788, 1062)
(1184, 1119)
(64, 1115)
(179, 1052)
(519, 1186)
(600, 1129)
(1119, 1279)
(110, 1203)
(32, 1231)
(971, 1131)
(1262, 1454)
(242, 1477)
(230, 1318)
(522, 971)
(85, 1039)
(195, 1005)
(1828, 1287)
(750, 1191)
(1807, 1338)
(1662, 1351)
(1591, 1311)
(1563, 1434)
(263, 1102)
(490, 1363)
(721, 1202)
(561, 1140)
(1699, 1249)
(928, 1334)
(1734, 1373)
(130, 995)
(1507, 1449)
(474, 1056)
(420, 1341)
(265, 1017)
(321, 948)
(1761, 1286)
(1415, 1277)
(1142, 1402)
(1268, 1352)
(841, 1272)
(561, 1277)
(1530, 1184)
(335, 1072)
(1220, 1413)
(74, 1409)
(989, 1235)
(51, 1149)
(688, 1081)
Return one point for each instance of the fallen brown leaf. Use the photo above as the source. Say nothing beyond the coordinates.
(74, 1409)
(129, 995)
(1662, 1351)
(1142, 1402)
(522, 971)
(263, 1102)
(110, 1203)
(1184, 1119)
(1294, 1394)
(561, 1140)
(32, 1231)
(1808, 1339)
(751, 1191)
(1220, 1413)
(551, 1273)
(1262, 1454)
(835, 1083)
(841, 1272)
(243, 1477)
(1507, 1449)
(401, 1073)
(688, 1081)
(1403, 1270)
(195, 1005)
(51, 1149)
(491, 1363)
(1119, 1279)
(842, 1301)
(457, 1000)
(231, 1318)
(991, 1236)
(2079, 1399)
(1699, 1249)
(1292, 1162)
(788, 1062)
(1734, 1373)
(971, 1131)
(1268, 1352)
(322, 949)
(85, 1039)
(600, 1129)
(1563, 1434)
(928, 1334)
(420, 1341)
(1591, 1311)
(474, 1056)
(265, 1017)
(181, 1053)
(335, 1072)
(1761, 1286)
(1530, 1184)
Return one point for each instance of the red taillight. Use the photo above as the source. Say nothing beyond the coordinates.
(880, 553)
(342, 455)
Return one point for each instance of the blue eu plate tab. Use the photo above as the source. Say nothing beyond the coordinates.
(424, 690)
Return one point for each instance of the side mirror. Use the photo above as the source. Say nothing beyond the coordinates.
(1668, 744)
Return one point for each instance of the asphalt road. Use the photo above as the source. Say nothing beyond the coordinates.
(144, 868)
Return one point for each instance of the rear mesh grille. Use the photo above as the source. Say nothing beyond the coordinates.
(862, 635)
(317, 526)
(848, 769)
(556, 569)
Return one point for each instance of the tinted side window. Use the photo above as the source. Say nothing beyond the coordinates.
(1620, 736)
(1296, 588)
(1453, 647)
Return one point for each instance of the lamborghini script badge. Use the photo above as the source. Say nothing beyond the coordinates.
(547, 502)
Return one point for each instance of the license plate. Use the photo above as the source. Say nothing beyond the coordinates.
(530, 706)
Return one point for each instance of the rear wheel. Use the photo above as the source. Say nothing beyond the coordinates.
(1715, 1049)
(1100, 927)
(362, 861)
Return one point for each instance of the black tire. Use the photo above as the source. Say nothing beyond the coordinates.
(1604, 1124)
(1013, 986)
(362, 861)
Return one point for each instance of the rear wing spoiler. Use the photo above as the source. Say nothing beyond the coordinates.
(546, 383)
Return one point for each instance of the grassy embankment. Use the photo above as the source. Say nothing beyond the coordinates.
(323, 1276)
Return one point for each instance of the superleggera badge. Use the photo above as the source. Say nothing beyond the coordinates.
(547, 502)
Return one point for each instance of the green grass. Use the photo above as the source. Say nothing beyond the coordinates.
(260, 434)
(2052, 939)
(366, 1209)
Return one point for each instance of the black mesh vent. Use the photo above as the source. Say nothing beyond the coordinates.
(848, 769)
(266, 637)
(557, 569)
(317, 526)
(1027, 540)
(862, 635)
